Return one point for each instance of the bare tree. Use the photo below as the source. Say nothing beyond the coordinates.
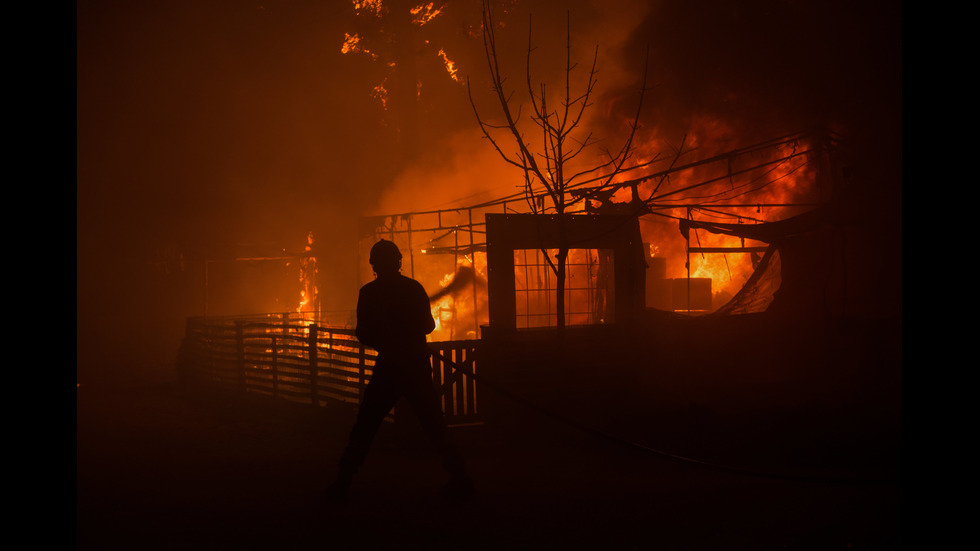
(553, 164)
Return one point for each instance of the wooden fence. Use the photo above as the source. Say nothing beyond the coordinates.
(296, 360)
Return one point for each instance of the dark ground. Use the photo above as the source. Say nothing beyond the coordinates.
(164, 466)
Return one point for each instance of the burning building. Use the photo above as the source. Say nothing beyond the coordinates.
(697, 258)
(692, 267)
(625, 236)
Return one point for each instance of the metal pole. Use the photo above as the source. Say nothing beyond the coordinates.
(689, 217)
(476, 316)
(411, 250)
(452, 329)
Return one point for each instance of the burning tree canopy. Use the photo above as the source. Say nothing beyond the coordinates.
(404, 40)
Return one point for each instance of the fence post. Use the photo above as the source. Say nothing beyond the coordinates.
(275, 366)
(360, 370)
(439, 379)
(313, 364)
(209, 337)
(330, 345)
(470, 381)
(240, 346)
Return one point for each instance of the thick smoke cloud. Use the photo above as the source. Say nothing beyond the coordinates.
(773, 66)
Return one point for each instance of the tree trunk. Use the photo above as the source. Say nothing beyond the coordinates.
(560, 299)
(560, 276)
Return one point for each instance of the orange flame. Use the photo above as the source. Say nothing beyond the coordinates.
(424, 13)
(789, 181)
(370, 7)
(450, 66)
(381, 94)
(307, 276)
(460, 306)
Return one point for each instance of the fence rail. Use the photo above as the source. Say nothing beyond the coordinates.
(289, 357)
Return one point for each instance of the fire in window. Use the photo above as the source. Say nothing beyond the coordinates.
(589, 287)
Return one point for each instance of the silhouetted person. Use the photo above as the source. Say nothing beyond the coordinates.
(393, 317)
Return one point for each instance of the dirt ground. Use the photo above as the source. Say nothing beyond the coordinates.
(161, 466)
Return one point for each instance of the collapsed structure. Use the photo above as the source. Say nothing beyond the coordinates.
(492, 266)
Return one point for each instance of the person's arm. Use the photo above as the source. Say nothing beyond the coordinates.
(365, 330)
(426, 322)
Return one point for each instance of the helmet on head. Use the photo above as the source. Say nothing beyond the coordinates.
(384, 252)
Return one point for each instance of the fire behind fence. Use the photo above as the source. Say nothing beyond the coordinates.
(285, 356)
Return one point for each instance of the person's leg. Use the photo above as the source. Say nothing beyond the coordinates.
(379, 397)
(424, 399)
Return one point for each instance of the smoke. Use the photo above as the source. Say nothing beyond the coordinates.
(455, 165)
(464, 277)
(203, 127)
(771, 66)
(719, 73)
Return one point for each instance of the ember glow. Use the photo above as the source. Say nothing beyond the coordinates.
(352, 44)
(424, 13)
(450, 66)
(380, 93)
(370, 7)
(384, 44)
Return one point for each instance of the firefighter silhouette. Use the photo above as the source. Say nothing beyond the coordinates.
(393, 317)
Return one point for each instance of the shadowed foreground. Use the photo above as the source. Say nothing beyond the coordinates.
(161, 466)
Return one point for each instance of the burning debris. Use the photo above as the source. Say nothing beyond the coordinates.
(460, 306)
(424, 13)
(464, 279)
